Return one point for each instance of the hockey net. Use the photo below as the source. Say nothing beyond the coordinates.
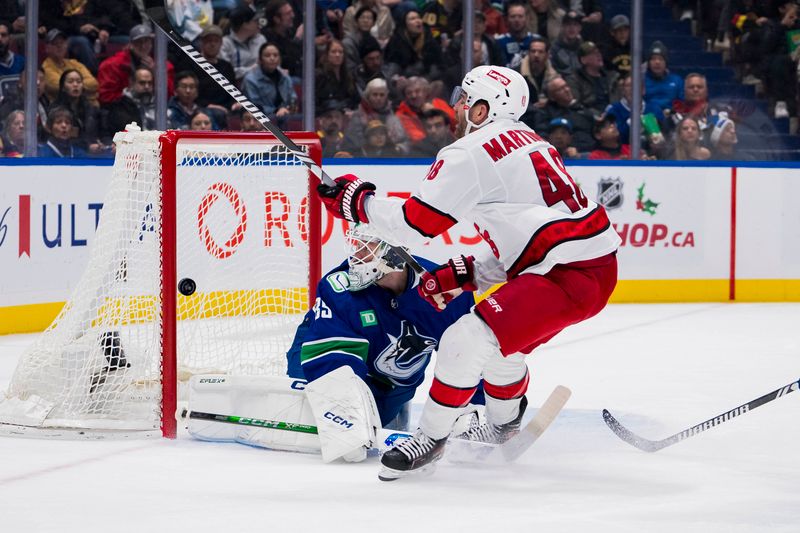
(205, 260)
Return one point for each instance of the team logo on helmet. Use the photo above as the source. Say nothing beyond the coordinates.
(499, 77)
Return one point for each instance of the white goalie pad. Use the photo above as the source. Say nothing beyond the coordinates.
(347, 417)
(270, 398)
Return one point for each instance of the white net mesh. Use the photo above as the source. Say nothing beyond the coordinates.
(241, 218)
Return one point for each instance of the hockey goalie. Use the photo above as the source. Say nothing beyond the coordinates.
(356, 361)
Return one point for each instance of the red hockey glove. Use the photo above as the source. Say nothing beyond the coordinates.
(441, 285)
(346, 198)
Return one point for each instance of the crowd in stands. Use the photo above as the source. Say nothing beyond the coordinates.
(384, 72)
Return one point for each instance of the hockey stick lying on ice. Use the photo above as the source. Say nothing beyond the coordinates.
(158, 14)
(458, 450)
(655, 445)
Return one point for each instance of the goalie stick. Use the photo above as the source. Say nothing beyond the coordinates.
(157, 12)
(654, 445)
(459, 450)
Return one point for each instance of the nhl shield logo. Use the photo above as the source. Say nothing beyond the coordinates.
(609, 193)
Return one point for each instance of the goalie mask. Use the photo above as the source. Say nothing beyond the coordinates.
(503, 89)
(369, 257)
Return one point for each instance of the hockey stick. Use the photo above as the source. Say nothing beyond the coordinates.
(255, 422)
(655, 445)
(158, 14)
(552, 406)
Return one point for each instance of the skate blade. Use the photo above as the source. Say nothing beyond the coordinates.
(390, 474)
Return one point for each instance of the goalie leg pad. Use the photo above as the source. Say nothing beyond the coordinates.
(263, 397)
(346, 414)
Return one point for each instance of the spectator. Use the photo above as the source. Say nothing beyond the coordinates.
(489, 54)
(559, 134)
(617, 50)
(16, 100)
(621, 111)
(56, 63)
(10, 63)
(190, 17)
(417, 101)
(13, 136)
(375, 105)
(60, 141)
(724, 140)
(116, 72)
(412, 49)
(564, 53)
(269, 87)
(354, 40)
(382, 26)
(686, 145)
(241, 46)
(209, 93)
(85, 115)
(590, 83)
(544, 18)
(443, 18)
(247, 122)
(537, 71)
(377, 142)
(591, 13)
(136, 104)
(372, 67)
(562, 104)
(184, 104)
(778, 67)
(661, 87)
(495, 23)
(12, 16)
(749, 16)
(330, 121)
(515, 42)
(78, 22)
(696, 104)
(201, 121)
(280, 30)
(437, 134)
(608, 144)
(333, 82)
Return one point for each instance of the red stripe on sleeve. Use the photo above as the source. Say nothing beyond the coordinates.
(427, 220)
(507, 392)
(448, 396)
(558, 232)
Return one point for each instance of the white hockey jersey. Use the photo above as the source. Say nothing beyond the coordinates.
(513, 186)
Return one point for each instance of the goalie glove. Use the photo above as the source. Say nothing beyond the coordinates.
(441, 285)
(346, 198)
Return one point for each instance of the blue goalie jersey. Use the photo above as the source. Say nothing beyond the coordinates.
(386, 339)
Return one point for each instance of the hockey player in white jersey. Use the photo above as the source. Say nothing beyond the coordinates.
(555, 248)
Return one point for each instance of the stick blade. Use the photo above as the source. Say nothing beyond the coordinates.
(628, 436)
(552, 406)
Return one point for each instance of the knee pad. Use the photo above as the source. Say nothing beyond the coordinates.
(464, 350)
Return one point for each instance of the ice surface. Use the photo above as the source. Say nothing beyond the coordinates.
(658, 368)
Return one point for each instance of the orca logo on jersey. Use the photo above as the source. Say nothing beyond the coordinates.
(406, 355)
(499, 77)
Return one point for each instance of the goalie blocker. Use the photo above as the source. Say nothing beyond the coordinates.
(339, 404)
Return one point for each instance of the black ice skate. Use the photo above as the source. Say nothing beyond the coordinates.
(496, 434)
(413, 455)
